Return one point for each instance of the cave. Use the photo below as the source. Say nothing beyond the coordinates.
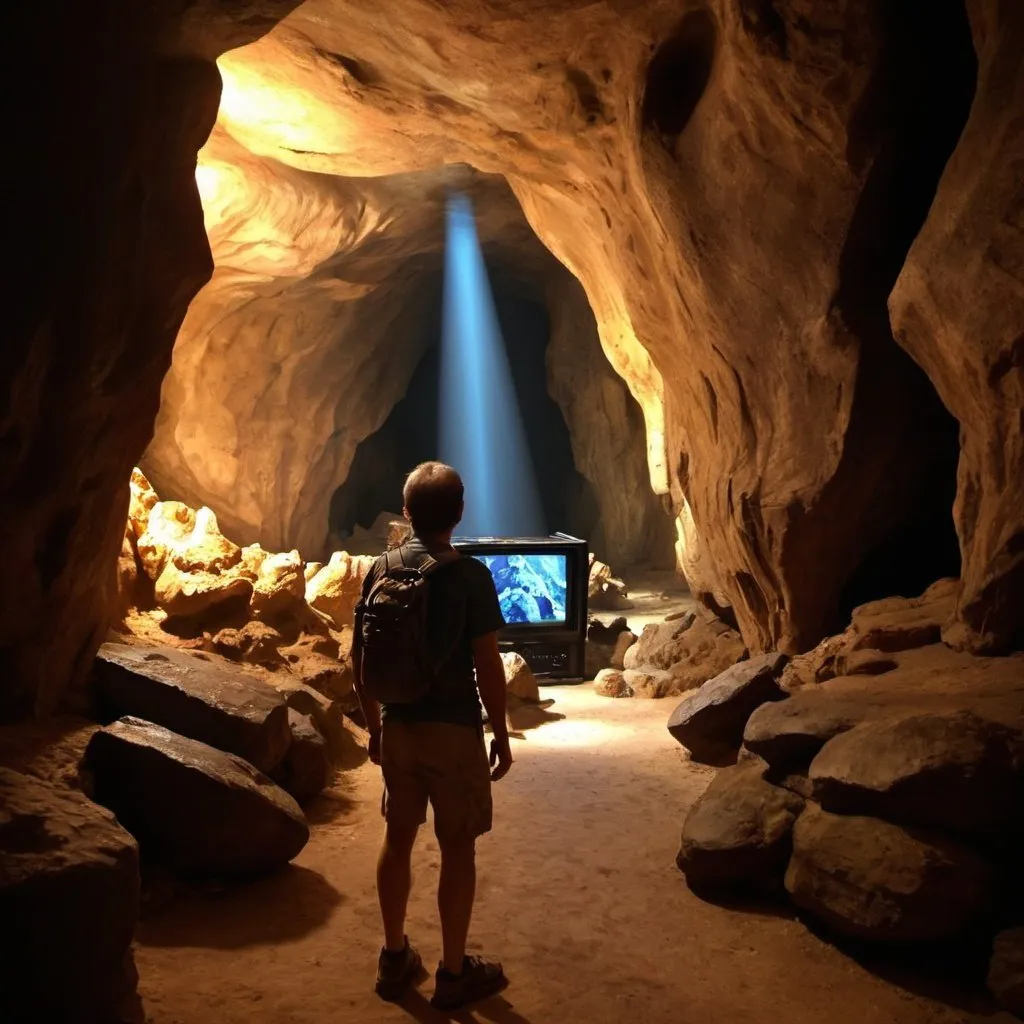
(758, 271)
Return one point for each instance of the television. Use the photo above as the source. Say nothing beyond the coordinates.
(542, 589)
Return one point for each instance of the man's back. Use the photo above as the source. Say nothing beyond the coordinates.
(462, 604)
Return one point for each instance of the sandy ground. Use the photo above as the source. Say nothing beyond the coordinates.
(578, 895)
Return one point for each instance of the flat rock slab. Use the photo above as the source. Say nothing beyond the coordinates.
(1006, 970)
(69, 898)
(953, 771)
(205, 698)
(738, 832)
(710, 722)
(791, 732)
(201, 811)
(873, 880)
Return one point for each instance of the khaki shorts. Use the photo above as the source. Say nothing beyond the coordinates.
(438, 762)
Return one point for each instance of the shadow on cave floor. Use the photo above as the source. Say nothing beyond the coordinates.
(578, 895)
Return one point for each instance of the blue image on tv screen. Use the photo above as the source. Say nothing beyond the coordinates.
(531, 587)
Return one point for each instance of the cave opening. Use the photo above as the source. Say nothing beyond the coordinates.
(410, 434)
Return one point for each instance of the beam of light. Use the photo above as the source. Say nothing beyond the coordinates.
(481, 432)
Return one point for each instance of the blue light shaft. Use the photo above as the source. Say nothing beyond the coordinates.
(481, 432)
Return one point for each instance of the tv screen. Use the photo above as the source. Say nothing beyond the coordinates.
(531, 586)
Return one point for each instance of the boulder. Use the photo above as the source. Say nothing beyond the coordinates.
(601, 633)
(168, 526)
(623, 642)
(253, 557)
(899, 623)
(199, 810)
(792, 731)
(254, 642)
(738, 831)
(197, 696)
(694, 649)
(612, 683)
(520, 681)
(656, 644)
(1006, 970)
(280, 586)
(651, 683)
(306, 768)
(864, 662)
(952, 771)
(188, 595)
(69, 898)
(310, 569)
(205, 549)
(870, 879)
(335, 589)
(327, 714)
(710, 723)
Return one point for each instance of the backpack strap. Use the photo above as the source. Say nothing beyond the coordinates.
(426, 564)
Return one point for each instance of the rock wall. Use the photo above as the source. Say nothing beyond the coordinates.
(606, 429)
(110, 248)
(958, 309)
(736, 187)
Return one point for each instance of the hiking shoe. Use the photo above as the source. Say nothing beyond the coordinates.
(479, 979)
(396, 972)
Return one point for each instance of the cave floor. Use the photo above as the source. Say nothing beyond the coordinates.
(578, 895)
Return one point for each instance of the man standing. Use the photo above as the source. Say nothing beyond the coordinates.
(429, 740)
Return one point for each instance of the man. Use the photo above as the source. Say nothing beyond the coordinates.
(432, 749)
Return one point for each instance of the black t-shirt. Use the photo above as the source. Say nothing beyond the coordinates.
(463, 605)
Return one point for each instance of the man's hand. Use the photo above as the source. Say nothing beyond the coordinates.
(501, 758)
(373, 747)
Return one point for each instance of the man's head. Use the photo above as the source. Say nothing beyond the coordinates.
(433, 495)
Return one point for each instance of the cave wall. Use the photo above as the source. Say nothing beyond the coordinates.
(958, 309)
(110, 249)
(307, 334)
(732, 185)
(607, 433)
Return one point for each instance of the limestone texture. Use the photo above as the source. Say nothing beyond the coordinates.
(196, 809)
(69, 897)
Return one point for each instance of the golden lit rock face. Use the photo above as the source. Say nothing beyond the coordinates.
(735, 187)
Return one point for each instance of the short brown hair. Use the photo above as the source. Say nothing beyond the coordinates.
(433, 495)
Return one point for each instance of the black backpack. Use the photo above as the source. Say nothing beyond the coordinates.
(397, 665)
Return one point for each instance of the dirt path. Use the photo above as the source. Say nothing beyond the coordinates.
(578, 895)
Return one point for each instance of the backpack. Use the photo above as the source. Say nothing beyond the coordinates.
(398, 667)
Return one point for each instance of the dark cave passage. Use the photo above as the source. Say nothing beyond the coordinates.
(410, 433)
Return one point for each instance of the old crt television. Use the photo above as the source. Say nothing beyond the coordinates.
(542, 589)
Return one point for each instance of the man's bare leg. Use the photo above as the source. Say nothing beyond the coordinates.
(394, 880)
(455, 893)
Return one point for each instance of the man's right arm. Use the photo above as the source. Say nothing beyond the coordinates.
(490, 681)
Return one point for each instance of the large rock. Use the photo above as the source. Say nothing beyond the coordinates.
(610, 682)
(197, 696)
(328, 715)
(952, 771)
(1006, 970)
(199, 810)
(306, 768)
(872, 880)
(335, 589)
(69, 898)
(710, 722)
(520, 682)
(738, 831)
(792, 731)
(280, 586)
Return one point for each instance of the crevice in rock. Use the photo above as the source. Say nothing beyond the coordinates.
(905, 127)
(678, 75)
